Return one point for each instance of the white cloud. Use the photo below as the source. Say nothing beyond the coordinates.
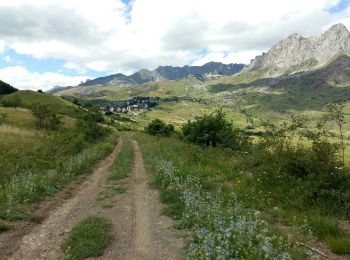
(104, 36)
(7, 58)
(75, 66)
(98, 65)
(21, 78)
(239, 57)
(2, 46)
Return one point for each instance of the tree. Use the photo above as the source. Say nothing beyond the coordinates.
(336, 113)
(46, 118)
(212, 130)
(158, 127)
(90, 128)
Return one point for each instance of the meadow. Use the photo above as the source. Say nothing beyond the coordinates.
(250, 203)
(36, 163)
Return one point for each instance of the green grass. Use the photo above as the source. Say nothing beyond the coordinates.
(35, 164)
(120, 169)
(324, 227)
(4, 228)
(178, 167)
(123, 163)
(199, 189)
(339, 245)
(88, 239)
(29, 99)
(174, 207)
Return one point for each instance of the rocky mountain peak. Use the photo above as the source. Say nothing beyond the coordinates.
(296, 52)
(338, 28)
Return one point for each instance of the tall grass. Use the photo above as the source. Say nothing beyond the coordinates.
(193, 182)
(35, 164)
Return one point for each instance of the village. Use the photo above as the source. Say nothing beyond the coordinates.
(134, 105)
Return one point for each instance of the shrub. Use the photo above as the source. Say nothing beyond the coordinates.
(158, 127)
(324, 179)
(212, 130)
(46, 118)
(89, 126)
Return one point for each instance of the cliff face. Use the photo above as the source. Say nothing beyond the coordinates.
(297, 52)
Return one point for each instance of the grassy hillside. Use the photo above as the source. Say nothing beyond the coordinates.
(30, 99)
(185, 87)
(36, 162)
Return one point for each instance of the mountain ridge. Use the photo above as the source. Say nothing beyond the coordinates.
(296, 51)
(166, 73)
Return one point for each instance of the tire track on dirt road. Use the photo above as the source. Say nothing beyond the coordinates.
(45, 240)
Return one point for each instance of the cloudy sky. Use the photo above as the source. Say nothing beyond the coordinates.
(44, 43)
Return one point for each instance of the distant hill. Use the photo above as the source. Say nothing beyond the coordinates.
(166, 73)
(176, 73)
(57, 89)
(115, 79)
(300, 53)
(29, 99)
(6, 88)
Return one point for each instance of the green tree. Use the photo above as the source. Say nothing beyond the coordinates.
(46, 118)
(336, 113)
(89, 126)
(212, 130)
(158, 127)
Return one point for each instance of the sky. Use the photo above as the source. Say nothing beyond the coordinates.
(46, 43)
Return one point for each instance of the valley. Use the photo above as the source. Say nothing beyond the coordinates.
(196, 162)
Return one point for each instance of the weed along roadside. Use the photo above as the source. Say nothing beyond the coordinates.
(271, 198)
(44, 241)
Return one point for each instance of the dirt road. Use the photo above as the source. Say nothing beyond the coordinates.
(140, 231)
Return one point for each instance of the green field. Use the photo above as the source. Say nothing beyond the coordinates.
(36, 163)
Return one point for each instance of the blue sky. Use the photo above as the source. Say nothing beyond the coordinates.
(341, 6)
(44, 43)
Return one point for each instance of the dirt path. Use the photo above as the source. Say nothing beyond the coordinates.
(140, 231)
(45, 240)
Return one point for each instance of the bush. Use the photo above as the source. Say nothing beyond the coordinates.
(89, 126)
(212, 130)
(158, 127)
(325, 181)
(46, 118)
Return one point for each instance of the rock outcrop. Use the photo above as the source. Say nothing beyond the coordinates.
(297, 52)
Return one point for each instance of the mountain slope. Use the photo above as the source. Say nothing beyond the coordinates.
(297, 52)
(166, 73)
(57, 89)
(6, 88)
(176, 73)
(114, 79)
(30, 99)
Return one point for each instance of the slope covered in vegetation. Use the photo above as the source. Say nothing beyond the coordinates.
(6, 88)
